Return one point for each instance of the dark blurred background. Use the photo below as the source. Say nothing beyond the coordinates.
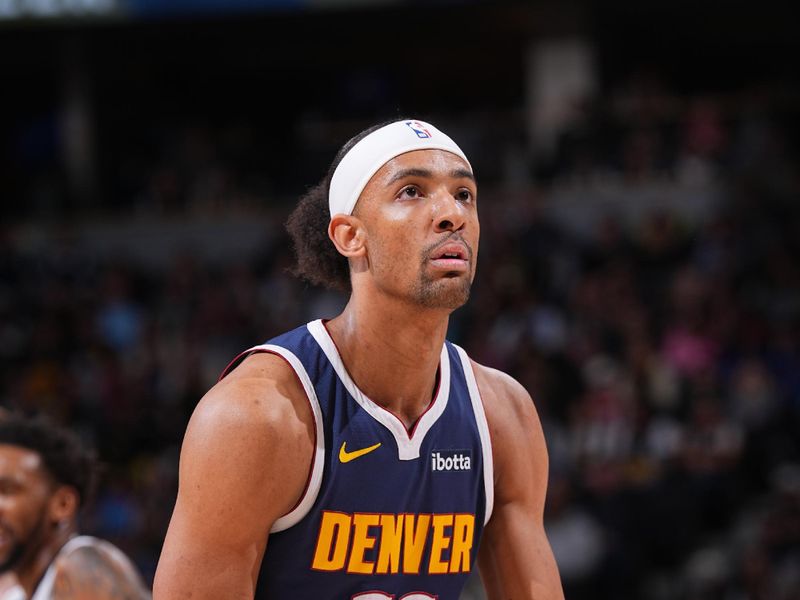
(638, 171)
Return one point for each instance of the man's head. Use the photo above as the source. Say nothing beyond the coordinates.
(398, 204)
(45, 476)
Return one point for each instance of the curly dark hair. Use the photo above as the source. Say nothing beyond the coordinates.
(317, 260)
(66, 459)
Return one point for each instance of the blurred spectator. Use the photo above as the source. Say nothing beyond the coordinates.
(660, 344)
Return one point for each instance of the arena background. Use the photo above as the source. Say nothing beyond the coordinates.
(638, 170)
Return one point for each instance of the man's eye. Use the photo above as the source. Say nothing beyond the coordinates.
(409, 192)
(464, 195)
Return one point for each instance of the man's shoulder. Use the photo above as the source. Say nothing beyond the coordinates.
(259, 368)
(260, 389)
(516, 431)
(261, 404)
(508, 406)
(498, 386)
(88, 546)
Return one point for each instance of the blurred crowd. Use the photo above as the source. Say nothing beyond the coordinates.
(662, 349)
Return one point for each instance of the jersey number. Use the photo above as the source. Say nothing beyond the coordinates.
(385, 596)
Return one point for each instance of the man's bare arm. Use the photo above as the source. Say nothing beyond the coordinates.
(244, 463)
(515, 558)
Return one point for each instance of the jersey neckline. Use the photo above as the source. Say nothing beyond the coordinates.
(408, 442)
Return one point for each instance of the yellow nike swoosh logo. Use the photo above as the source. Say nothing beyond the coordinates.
(345, 456)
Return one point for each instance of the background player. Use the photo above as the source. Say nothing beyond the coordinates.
(399, 206)
(46, 475)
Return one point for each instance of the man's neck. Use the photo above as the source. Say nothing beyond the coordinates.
(392, 353)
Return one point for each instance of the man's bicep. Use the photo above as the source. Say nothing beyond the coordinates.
(205, 541)
(234, 483)
(223, 483)
(198, 562)
(515, 558)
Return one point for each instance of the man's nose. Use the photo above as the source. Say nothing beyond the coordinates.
(448, 213)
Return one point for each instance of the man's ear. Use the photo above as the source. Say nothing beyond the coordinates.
(64, 503)
(348, 235)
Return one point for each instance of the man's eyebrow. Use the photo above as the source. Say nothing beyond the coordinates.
(426, 173)
(459, 173)
(414, 172)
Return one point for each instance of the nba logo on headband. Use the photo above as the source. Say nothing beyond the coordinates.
(419, 129)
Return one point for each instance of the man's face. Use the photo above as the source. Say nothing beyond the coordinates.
(421, 218)
(24, 493)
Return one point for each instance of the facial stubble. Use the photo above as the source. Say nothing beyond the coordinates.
(450, 291)
(22, 549)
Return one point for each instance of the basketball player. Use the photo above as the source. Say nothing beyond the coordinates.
(45, 476)
(365, 457)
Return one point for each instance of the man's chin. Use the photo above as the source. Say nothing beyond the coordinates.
(447, 293)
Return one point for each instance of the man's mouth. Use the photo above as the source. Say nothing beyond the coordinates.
(452, 256)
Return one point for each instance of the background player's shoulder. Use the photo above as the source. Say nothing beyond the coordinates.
(97, 569)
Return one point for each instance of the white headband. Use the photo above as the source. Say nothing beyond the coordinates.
(376, 149)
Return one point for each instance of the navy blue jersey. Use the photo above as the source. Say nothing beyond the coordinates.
(387, 513)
